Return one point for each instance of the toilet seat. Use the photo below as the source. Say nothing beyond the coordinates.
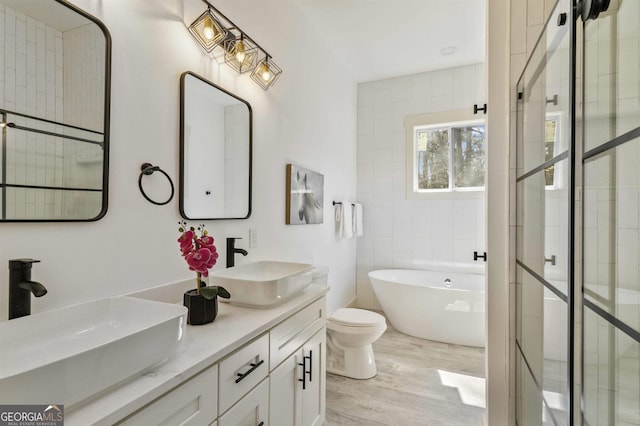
(352, 317)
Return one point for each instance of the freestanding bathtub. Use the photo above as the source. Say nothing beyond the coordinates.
(441, 306)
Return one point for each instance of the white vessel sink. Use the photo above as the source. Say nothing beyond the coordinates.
(67, 355)
(263, 284)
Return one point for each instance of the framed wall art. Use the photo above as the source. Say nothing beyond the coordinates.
(305, 196)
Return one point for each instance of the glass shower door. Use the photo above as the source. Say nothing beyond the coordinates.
(611, 216)
(544, 219)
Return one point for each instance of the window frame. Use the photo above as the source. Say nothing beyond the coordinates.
(559, 172)
(446, 119)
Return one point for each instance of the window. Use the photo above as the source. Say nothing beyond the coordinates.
(445, 153)
(551, 148)
(554, 144)
(449, 156)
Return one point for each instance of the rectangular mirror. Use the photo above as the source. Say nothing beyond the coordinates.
(54, 112)
(215, 151)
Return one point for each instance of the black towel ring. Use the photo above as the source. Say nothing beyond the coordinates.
(148, 169)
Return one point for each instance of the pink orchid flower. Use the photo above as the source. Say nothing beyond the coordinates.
(199, 251)
(199, 260)
(206, 241)
(186, 242)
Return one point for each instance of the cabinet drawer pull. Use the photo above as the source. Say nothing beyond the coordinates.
(261, 424)
(253, 367)
(310, 365)
(303, 364)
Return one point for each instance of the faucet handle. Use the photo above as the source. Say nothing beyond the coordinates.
(24, 263)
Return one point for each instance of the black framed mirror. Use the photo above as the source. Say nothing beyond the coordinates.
(215, 151)
(54, 113)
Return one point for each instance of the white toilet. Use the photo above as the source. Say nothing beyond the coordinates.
(350, 333)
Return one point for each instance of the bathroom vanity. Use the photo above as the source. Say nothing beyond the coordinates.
(248, 367)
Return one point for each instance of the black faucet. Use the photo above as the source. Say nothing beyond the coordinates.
(21, 287)
(232, 250)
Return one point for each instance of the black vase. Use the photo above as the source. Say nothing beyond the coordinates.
(201, 310)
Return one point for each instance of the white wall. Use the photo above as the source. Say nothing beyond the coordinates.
(499, 373)
(442, 232)
(307, 118)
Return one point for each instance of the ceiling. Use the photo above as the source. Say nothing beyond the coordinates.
(377, 39)
(55, 15)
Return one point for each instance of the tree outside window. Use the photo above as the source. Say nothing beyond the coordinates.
(450, 157)
(550, 137)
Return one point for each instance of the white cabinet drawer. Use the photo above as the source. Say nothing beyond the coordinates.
(290, 334)
(242, 370)
(192, 403)
(252, 410)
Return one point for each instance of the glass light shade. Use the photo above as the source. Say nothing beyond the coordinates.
(266, 73)
(240, 54)
(208, 31)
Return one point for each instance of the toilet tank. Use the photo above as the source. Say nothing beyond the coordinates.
(319, 274)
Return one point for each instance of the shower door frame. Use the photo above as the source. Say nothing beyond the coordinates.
(581, 404)
(557, 18)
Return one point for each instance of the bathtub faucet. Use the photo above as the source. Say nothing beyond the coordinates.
(477, 256)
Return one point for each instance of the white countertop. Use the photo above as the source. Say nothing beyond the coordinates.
(203, 346)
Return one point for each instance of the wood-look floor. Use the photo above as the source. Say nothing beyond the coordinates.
(419, 382)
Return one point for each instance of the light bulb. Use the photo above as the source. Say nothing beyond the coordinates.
(240, 52)
(208, 31)
(266, 75)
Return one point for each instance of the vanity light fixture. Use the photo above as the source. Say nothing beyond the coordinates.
(266, 73)
(241, 52)
(208, 31)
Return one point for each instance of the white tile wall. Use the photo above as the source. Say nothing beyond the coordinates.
(619, 195)
(29, 86)
(83, 88)
(32, 82)
(401, 233)
(84, 73)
